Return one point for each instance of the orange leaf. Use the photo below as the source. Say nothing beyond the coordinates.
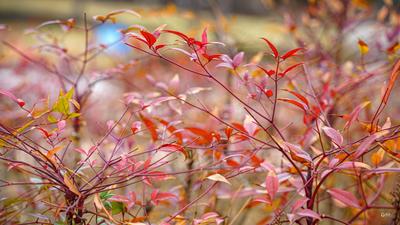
(151, 126)
(206, 136)
(393, 76)
(299, 96)
(50, 154)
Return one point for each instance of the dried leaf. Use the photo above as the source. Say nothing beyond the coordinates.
(218, 177)
(71, 185)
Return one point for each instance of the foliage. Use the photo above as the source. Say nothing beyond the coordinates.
(206, 134)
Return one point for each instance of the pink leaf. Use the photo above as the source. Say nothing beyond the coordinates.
(119, 198)
(237, 59)
(366, 143)
(250, 125)
(344, 197)
(204, 38)
(262, 200)
(132, 199)
(298, 204)
(19, 101)
(157, 196)
(308, 213)
(272, 185)
(334, 135)
(353, 165)
(354, 114)
(61, 125)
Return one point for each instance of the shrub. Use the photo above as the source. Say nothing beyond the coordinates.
(304, 136)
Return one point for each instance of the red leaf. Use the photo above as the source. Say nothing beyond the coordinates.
(291, 53)
(344, 197)
(160, 46)
(291, 68)
(299, 96)
(45, 133)
(272, 47)
(173, 130)
(135, 127)
(228, 132)
(174, 147)
(181, 35)
(232, 163)
(151, 126)
(294, 102)
(268, 72)
(268, 93)
(150, 39)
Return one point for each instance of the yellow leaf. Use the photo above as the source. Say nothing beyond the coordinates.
(218, 177)
(71, 185)
(377, 156)
(363, 47)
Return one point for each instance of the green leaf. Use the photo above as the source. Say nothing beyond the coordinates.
(73, 115)
(117, 207)
(69, 94)
(51, 119)
(19, 130)
(105, 195)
